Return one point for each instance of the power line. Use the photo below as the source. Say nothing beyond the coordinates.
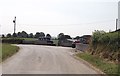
(68, 24)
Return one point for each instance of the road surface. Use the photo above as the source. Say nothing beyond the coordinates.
(38, 59)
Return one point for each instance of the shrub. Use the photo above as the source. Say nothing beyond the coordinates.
(12, 40)
(103, 42)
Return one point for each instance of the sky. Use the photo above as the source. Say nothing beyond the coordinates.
(72, 17)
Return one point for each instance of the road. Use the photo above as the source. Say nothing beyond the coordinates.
(38, 59)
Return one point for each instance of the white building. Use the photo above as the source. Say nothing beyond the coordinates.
(119, 15)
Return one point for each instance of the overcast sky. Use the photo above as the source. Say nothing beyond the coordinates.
(72, 17)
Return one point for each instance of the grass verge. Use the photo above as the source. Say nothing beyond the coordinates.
(8, 50)
(106, 67)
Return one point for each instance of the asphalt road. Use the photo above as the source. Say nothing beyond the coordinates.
(38, 59)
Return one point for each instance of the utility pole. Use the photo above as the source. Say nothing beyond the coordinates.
(14, 21)
(116, 24)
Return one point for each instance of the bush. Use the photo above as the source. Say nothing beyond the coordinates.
(103, 43)
(100, 37)
(12, 40)
(96, 35)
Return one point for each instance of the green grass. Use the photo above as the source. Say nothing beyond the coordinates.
(29, 38)
(106, 67)
(55, 41)
(8, 50)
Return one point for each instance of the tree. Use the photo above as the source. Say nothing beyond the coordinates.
(3, 36)
(24, 34)
(9, 35)
(42, 34)
(14, 35)
(37, 35)
(67, 37)
(48, 36)
(77, 37)
(19, 34)
(61, 36)
(31, 35)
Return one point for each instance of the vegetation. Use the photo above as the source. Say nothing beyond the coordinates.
(105, 45)
(55, 41)
(62, 38)
(20, 38)
(8, 50)
(106, 67)
(12, 40)
(41, 34)
(103, 52)
(77, 37)
(24, 34)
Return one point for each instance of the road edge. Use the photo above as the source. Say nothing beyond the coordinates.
(88, 64)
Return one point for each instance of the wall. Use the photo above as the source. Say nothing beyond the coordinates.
(81, 47)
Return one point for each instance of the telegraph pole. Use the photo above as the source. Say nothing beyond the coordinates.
(14, 21)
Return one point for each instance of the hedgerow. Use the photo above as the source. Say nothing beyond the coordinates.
(105, 44)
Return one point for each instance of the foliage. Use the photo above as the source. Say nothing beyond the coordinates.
(67, 37)
(77, 37)
(3, 36)
(96, 35)
(24, 34)
(9, 35)
(63, 38)
(39, 34)
(14, 35)
(105, 44)
(30, 35)
(100, 37)
(106, 67)
(12, 40)
(48, 36)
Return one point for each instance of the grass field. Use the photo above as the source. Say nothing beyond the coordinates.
(7, 51)
(106, 67)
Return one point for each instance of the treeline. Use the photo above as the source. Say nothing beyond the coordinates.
(105, 45)
(24, 34)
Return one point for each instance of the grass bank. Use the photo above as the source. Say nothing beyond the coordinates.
(105, 44)
(8, 50)
(106, 67)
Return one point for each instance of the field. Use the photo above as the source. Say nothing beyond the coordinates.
(105, 66)
(7, 51)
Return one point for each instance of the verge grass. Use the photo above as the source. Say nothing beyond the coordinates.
(106, 67)
(7, 51)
